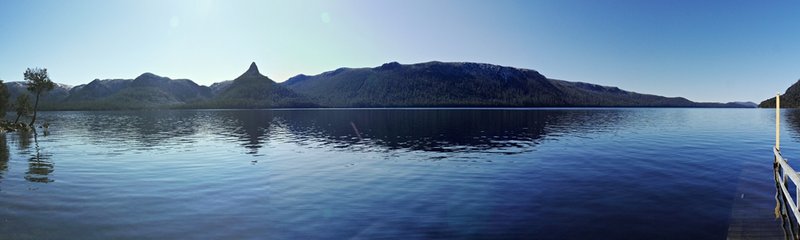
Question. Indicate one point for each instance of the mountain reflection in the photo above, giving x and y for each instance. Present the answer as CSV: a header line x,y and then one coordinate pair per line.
x,y
429,130
426,130
250,128
462,130
457,130
793,118
435,130
142,129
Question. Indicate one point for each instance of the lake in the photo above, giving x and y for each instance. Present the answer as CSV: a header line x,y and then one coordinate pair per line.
x,y
388,173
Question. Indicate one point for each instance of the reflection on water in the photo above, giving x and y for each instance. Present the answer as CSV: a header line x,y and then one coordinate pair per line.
x,y
507,131
502,131
25,140
421,130
792,117
455,173
40,165
250,128
457,131
4,154
145,130
781,208
452,131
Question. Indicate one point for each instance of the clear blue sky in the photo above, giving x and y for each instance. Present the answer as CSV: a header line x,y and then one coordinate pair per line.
x,y
702,50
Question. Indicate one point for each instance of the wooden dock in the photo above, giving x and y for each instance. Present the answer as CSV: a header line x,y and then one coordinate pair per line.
x,y
753,213
767,216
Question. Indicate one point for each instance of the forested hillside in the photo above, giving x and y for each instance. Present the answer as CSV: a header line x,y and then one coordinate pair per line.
x,y
789,99
440,84
431,84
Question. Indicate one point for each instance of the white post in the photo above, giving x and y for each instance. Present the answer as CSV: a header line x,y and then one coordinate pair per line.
x,y
778,121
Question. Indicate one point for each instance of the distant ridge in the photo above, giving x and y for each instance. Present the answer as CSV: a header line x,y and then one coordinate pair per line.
x,y
464,84
746,104
58,94
145,91
430,84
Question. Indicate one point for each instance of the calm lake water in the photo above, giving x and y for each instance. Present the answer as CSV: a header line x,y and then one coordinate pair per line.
x,y
377,173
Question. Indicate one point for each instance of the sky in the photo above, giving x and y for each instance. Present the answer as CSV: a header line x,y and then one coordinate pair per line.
x,y
717,51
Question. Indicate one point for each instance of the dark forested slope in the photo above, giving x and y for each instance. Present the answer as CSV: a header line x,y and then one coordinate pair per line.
x,y
146,91
254,90
440,84
789,99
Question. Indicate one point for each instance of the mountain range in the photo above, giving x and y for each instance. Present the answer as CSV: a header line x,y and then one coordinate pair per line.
x,y
430,84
